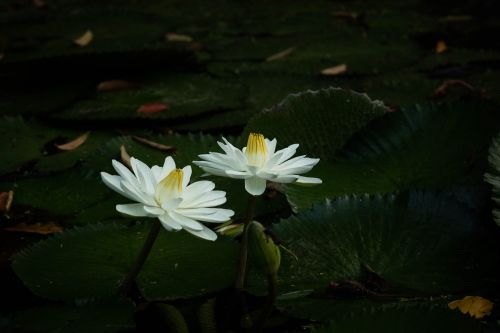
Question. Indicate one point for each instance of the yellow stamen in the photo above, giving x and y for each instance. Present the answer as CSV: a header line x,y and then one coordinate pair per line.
x,y
170,186
256,149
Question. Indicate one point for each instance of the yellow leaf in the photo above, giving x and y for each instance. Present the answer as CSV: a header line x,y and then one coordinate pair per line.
x,y
475,306
73,144
281,54
6,201
335,70
441,46
173,37
84,39
125,157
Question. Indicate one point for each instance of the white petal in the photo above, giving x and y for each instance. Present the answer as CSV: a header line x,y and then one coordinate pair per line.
x,y
308,180
207,199
136,194
255,185
156,211
288,152
126,174
156,171
171,203
271,147
238,174
205,233
197,189
214,215
132,209
187,171
168,222
185,221
144,175
286,179
168,166
113,182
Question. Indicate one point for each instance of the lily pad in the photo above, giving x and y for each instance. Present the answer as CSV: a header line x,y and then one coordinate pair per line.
x,y
420,244
92,261
421,147
320,121
493,177
106,316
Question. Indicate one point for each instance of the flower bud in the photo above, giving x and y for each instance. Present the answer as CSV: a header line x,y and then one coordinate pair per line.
x,y
262,249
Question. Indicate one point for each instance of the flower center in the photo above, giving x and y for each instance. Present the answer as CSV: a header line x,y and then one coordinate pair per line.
x,y
256,151
170,187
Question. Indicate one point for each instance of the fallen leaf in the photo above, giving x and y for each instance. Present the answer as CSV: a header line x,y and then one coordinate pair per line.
x,y
441,46
152,108
40,4
335,70
281,54
6,201
173,37
115,85
36,228
153,144
84,39
446,85
73,144
475,306
125,157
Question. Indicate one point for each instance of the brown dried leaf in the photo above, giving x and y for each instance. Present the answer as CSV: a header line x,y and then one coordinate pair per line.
x,y
153,144
281,54
73,144
335,70
446,85
40,4
6,199
173,37
151,108
37,228
84,39
115,85
441,46
125,157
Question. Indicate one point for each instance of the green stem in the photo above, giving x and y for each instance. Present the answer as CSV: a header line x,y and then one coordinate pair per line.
x,y
240,278
141,258
272,293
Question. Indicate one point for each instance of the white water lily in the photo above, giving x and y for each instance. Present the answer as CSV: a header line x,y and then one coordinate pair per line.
x,y
258,162
164,193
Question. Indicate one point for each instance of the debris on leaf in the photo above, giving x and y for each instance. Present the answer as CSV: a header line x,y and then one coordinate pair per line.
x,y
475,306
446,85
115,85
151,108
281,54
36,228
335,70
73,144
153,144
6,201
40,4
125,157
84,39
173,37
441,46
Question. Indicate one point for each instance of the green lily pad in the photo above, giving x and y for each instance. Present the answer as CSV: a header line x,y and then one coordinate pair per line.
x,y
183,96
421,243
493,177
92,261
322,121
106,316
424,147
404,318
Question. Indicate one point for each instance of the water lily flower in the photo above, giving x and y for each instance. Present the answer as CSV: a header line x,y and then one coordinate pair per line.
x,y
164,193
258,162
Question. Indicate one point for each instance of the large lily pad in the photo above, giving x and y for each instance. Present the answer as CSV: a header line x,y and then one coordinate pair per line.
x,y
320,121
429,146
420,244
92,261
